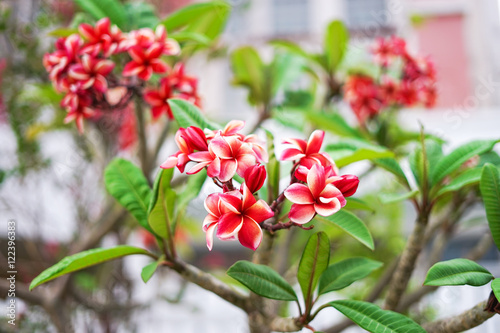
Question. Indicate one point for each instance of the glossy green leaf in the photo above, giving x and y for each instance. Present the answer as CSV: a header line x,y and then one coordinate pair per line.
x,y
189,36
336,40
490,191
262,280
313,263
62,32
248,70
188,16
290,47
459,156
389,198
334,123
374,319
141,15
358,204
187,114
285,70
343,273
127,184
469,177
161,208
105,8
83,260
193,187
361,155
351,224
391,165
148,271
457,272
495,285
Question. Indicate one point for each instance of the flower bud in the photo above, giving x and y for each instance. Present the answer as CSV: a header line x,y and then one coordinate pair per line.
x,y
255,177
348,184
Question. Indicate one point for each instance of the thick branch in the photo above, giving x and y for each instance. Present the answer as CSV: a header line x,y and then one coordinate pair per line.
x,y
407,262
210,283
285,325
462,322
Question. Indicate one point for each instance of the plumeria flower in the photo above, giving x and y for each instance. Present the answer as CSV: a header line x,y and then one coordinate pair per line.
x,y
385,50
188,140
236,215
145,62
235,156
362,95
78,113
306,151
58,62
91,72
254,177
103,37
158,99
317,197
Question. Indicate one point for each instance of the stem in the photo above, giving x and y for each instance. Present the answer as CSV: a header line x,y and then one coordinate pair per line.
x,y
462,322
210,283
159,144
406,264
141,131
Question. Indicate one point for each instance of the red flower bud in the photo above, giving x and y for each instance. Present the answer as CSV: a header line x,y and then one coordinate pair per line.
x,y
255,177
348,184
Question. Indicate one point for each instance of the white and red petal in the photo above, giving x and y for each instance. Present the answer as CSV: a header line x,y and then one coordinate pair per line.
x,y
250,234
170,162
316,180
233,127
211,204
231,202
327,209
299,194
213,169
221,148
158,66
132,68
301,214
291,154
104,67
298,143
100,83
137,54
171,47
259,211
315,142
229,225
227,169
210,236
146,73
152,97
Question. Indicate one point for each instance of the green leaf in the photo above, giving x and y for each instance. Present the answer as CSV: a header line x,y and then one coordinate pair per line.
x,y
351,224
495,285
374,319
490,191
457,272
273,169
141,15
127,184
83,260
290,47
187,114
189,15
148,271
334,123
336,40
193,187
469,177
355,203
313,263
189,36
391,165
248,71
343,273
363,154
285,70
262,280
105,8
389,198
62,32
459,156
161,208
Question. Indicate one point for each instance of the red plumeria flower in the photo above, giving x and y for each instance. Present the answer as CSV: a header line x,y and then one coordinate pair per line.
x,y
237,216
145,62
206,159
362,95
317,197
388,91
215,211
58,62
78,113
347,184
188,140
235,156
91,72
408,93
385,49
158,99
306,151
103,37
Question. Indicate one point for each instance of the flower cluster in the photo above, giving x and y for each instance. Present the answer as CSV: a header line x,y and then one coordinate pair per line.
x,y
81,67
319,189
413,84
236,214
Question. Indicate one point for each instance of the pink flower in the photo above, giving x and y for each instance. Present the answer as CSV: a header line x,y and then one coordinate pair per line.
x,y
362,95
317,197
91,72
104,37
347,184
235,156
237,216
188,140
306,151
158,99
58,62
385,49
255,176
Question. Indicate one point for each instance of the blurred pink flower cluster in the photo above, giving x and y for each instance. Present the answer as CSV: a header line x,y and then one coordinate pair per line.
x,y
414,82
84,67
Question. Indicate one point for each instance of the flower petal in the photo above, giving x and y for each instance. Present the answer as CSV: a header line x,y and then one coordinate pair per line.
x,y
327,209
315,142
291,154
227,170
229,225
259,211
299,194
316,180
210,236
301,214
250,234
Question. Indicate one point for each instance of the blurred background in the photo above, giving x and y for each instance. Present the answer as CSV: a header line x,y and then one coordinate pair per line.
x,y
51,177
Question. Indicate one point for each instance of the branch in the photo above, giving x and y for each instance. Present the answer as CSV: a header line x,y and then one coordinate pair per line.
x,y
406,264
141,131
210,283
285,325
462,322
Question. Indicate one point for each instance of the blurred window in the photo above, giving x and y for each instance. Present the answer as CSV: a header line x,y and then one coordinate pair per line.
x,y
290,16
361,13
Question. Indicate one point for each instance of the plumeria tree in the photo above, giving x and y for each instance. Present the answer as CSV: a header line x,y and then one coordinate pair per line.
x,y
269,197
